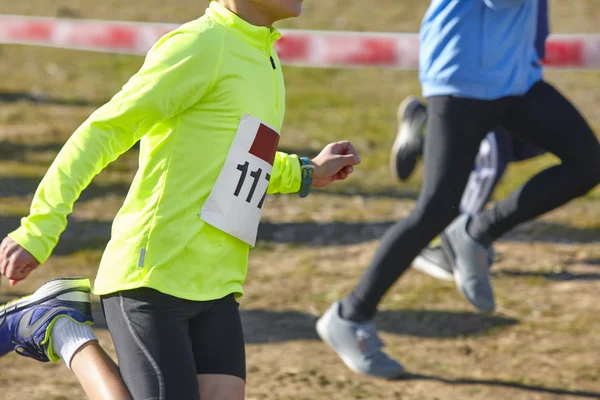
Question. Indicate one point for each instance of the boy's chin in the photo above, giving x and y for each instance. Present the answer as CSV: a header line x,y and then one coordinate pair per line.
x,y
293,13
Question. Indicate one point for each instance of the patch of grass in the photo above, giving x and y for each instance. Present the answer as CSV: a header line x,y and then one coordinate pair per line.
x,y
22,170
14,206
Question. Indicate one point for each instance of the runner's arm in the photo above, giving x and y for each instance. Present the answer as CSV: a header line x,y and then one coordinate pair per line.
x,y
177,72
286,175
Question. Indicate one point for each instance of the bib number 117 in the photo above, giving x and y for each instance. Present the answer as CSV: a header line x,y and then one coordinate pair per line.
x,y
255,175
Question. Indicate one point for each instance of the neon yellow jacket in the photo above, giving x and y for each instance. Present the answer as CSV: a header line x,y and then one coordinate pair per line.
x,y
185,105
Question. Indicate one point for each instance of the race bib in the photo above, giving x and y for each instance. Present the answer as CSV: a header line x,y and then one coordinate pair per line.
x,y
237,198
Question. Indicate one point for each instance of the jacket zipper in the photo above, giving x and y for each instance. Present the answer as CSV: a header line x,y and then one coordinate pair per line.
x,y
275,80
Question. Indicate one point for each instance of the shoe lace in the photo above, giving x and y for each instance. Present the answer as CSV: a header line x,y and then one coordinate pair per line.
x,y
32,351
371,342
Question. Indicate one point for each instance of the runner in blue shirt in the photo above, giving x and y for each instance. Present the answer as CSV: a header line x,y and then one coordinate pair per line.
x,y
479,70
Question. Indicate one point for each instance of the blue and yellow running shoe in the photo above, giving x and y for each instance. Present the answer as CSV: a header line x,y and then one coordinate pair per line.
x,y
25,323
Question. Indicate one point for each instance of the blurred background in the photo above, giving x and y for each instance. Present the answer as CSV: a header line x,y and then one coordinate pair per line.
x,y
544,341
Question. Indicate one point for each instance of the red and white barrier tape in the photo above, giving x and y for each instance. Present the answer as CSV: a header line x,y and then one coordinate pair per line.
x,y
296,47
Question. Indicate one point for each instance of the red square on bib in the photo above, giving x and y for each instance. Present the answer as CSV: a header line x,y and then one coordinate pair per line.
x,y
265,144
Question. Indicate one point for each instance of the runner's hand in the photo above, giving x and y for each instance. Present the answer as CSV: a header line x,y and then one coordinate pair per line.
x,y
335,163
16,263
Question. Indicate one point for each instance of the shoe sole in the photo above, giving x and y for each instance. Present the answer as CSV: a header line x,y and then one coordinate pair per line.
x,y
432,269
48,291
322,332
403,128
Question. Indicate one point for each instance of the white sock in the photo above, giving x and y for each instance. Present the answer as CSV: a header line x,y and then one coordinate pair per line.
x,y
68,336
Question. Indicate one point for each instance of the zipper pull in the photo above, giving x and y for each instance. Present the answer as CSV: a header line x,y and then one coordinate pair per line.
x,y
272,62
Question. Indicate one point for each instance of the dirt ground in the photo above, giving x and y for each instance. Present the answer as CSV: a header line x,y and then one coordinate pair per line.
x,y
543,342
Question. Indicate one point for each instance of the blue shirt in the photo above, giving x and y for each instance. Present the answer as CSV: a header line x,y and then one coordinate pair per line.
x,y
483,49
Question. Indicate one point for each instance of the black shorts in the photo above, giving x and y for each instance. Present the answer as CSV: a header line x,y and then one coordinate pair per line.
x,y
163,342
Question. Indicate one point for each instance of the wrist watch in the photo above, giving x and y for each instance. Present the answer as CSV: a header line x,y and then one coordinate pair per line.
x,y
307,176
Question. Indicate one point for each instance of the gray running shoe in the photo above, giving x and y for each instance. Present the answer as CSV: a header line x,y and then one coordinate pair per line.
x,y
357,344
433,261
408,146
470,262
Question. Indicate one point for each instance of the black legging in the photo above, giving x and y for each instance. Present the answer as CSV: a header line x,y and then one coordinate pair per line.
x,y
455,129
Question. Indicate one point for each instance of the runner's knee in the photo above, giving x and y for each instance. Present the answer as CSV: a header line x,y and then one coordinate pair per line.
x,y
216,387
585,171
